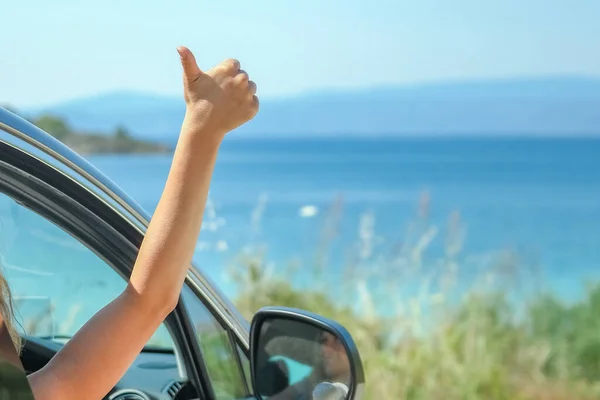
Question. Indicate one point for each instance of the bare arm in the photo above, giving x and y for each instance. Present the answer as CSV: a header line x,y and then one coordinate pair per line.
x,y
93,361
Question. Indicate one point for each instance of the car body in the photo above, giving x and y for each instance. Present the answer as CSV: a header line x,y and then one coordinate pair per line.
x,y
70,237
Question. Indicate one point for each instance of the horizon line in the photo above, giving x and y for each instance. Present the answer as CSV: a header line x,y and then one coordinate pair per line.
x,y
337,89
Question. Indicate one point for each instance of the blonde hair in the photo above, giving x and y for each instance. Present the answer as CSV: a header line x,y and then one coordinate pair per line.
x,y
7,311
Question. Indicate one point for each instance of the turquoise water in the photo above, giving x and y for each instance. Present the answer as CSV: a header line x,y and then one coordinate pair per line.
x,y
537,199
526,207
297,371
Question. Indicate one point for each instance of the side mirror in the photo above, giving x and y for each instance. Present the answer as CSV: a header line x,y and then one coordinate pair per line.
x,y
295,354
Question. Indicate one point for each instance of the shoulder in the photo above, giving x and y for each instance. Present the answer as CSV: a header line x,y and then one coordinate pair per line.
x,y
13,382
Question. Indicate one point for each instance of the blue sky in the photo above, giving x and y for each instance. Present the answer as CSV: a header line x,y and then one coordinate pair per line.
x,y
58,50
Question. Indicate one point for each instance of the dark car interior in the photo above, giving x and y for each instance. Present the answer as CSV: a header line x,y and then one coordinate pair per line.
x,y
154,374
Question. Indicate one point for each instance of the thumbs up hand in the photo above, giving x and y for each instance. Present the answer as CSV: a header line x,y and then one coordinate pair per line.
x,y
219,100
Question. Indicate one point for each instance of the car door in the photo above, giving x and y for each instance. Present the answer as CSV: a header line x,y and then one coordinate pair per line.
x,y
68,241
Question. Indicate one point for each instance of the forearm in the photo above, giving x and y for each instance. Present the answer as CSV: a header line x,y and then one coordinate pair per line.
x,y
93,360
153,289
168,248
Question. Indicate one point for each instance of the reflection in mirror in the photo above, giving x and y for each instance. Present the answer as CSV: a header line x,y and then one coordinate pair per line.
x,y
296,360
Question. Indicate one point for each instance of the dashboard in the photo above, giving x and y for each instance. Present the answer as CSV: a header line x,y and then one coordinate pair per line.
x,y
154,375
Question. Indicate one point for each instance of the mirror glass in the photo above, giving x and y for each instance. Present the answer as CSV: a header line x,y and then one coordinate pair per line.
x,y
297,360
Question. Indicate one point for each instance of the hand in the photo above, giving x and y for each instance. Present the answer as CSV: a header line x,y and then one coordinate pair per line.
x,y
217,101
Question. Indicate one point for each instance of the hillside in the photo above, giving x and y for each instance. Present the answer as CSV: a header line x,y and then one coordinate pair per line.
x,y
550,106
85,141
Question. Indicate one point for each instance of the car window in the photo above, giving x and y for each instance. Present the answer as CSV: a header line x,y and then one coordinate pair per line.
x,y
245,361
57,282
219,356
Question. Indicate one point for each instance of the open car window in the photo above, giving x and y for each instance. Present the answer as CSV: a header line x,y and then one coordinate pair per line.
x,y
57,282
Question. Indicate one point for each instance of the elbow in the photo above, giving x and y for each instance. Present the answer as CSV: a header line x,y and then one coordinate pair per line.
x,y
153,303
166,306
171,304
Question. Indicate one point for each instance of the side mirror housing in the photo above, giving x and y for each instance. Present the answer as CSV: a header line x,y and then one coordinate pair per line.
x,y
298,354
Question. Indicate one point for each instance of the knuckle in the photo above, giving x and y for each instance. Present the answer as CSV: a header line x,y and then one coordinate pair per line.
x,y
252,86
223,69
243,76
255,104
242,79
231,64
228,84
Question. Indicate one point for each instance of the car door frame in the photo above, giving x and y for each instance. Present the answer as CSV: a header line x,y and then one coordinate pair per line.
x,y
52,180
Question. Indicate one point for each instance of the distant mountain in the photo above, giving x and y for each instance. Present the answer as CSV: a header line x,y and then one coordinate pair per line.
x,y
146,115
550,106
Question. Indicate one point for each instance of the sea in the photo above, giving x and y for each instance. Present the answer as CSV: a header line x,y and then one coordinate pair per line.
x,y
374,211
374,223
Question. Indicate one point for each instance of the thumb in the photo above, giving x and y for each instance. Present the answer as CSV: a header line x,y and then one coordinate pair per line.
x,y
191,71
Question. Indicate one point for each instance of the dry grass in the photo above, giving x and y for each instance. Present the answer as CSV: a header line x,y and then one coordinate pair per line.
x,y
448,341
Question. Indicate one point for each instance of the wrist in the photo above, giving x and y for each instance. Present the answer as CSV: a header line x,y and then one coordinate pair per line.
x,y
200,122
200,138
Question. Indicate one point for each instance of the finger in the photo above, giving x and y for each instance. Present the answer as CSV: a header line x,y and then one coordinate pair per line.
x,y
252,87
242,77
255,104
191,71
232,66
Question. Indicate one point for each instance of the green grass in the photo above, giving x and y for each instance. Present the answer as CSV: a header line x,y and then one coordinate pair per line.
x,y
476,350
493,341
226,381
